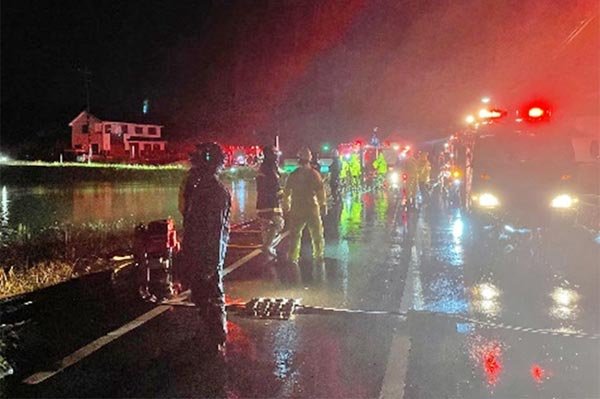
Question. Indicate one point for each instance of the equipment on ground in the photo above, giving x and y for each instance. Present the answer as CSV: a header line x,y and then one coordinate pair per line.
x,y
155,246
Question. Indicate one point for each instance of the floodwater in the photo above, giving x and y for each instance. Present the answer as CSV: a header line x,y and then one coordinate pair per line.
x,y
36,207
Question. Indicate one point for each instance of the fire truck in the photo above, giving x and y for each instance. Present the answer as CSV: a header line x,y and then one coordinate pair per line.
x,y
518,167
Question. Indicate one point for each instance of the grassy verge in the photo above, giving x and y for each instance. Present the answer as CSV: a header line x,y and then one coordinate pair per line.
x,y
70,172
33,260
15,282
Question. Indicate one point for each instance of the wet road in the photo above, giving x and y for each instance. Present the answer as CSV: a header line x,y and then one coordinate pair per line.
x,y
491,313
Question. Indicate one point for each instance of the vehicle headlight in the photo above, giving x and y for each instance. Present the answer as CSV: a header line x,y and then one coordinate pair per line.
x,y
563,201
394,178
487,200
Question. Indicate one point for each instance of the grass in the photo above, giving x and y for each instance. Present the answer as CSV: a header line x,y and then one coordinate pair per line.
x,y
96,165
15,282
26,172
33,260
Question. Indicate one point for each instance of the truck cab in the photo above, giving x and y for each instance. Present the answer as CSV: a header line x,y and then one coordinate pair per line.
x,y
523,176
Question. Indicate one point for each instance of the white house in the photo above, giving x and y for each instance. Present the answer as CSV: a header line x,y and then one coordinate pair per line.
x,y
115,139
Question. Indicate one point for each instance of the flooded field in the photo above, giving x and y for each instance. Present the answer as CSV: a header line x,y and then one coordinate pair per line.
x,y
35,208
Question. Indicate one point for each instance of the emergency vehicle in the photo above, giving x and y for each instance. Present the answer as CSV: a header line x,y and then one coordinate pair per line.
x,y
519,167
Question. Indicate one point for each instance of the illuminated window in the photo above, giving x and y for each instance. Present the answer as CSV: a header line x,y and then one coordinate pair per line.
x,y
152,131
139,130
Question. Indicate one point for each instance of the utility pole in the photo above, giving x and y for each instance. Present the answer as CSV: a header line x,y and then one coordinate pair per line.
x,y
86,73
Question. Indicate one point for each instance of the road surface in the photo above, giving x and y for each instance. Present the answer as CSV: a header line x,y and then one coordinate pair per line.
x,y
493,313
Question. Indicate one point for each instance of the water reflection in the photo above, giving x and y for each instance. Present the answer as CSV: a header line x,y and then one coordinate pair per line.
x,y
38,207
284,348
243,199
565,303
487,354
446,292
485,299
351,216
4,214
457,229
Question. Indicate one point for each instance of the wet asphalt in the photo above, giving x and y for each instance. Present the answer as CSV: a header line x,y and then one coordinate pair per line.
x,y
489,313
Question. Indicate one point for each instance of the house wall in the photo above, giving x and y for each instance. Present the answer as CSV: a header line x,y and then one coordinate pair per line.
x,y
80,140
98,135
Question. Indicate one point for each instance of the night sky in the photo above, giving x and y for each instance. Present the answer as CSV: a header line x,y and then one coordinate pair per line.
x,y
243,71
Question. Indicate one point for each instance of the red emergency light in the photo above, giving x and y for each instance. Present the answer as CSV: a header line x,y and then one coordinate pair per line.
x,y
537,111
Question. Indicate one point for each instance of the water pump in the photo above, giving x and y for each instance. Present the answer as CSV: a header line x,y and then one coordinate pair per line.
x,y
155,247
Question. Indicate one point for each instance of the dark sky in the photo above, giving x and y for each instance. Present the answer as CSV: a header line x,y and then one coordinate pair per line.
x,y
312,71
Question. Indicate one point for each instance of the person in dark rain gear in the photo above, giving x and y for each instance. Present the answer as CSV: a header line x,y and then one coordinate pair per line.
x,y
305,199
334,176
268,200
206,208
315,162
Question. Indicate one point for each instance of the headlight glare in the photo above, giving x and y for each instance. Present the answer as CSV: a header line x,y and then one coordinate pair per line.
x,y
563,201
487,200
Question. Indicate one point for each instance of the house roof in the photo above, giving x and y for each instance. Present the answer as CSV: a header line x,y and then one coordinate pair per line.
x,y
81,115
147,121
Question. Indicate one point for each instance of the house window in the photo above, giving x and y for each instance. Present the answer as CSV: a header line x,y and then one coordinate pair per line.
x,y
139,130
152,131
156,147
107,128
85,128
124,129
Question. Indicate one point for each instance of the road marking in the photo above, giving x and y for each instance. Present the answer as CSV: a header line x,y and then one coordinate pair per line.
x,y
250,256
94,346
394,379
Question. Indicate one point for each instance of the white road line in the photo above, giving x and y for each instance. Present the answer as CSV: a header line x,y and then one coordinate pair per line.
x,y
394,379
93,346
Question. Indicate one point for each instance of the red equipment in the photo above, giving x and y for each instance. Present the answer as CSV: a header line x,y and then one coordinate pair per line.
x,y
155,246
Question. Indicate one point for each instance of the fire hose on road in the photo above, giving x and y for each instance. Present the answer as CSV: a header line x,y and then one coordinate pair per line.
x,y
287,308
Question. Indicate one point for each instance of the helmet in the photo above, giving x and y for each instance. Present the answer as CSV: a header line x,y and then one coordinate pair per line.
x,y
208,155
270,152
304,154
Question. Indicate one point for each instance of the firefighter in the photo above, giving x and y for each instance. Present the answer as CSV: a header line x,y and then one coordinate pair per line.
x,y
268,200
424,172
355,169
412,171
381,168
206,210
334,176
305,199
315,161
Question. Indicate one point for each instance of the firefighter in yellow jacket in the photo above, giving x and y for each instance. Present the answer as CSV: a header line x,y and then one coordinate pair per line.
x,y
304,199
